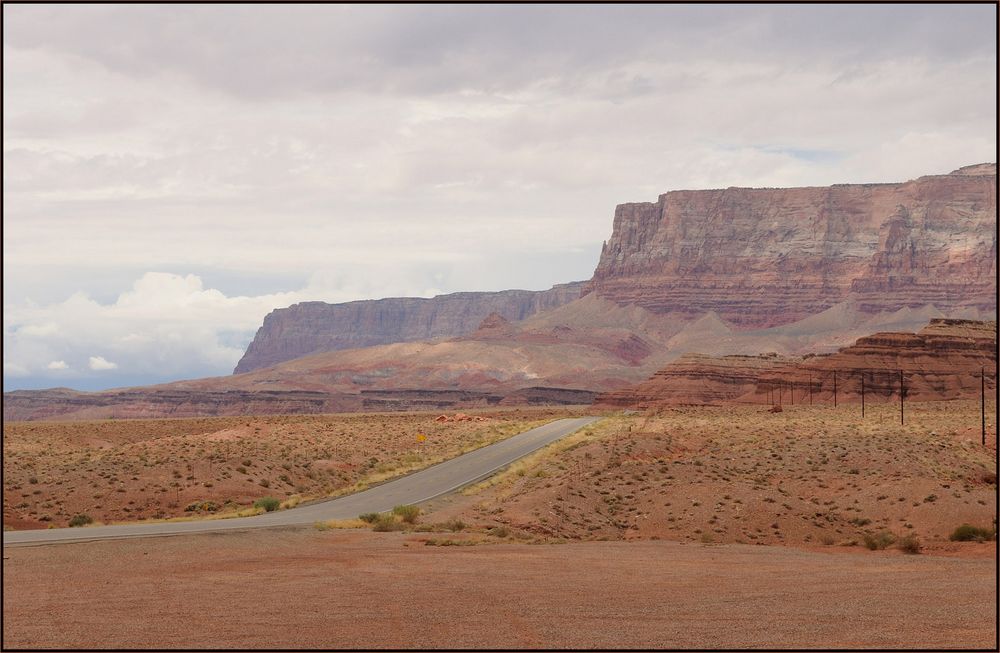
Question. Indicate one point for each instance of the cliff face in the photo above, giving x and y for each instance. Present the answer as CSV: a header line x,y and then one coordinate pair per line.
x,y
696,379
312,327
943,361
764,257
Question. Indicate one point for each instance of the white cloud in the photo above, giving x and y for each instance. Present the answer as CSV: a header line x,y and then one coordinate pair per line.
x,y
99,364
165,325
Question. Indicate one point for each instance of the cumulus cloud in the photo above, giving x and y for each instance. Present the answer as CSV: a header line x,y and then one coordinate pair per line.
x,y
269,154
164,325
100,364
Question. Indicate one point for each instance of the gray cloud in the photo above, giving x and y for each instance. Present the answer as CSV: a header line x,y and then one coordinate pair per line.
x,y
269,50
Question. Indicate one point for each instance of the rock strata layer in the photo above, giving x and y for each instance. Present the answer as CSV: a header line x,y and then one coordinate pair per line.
x,y
696,379
944,360
763,257
947,359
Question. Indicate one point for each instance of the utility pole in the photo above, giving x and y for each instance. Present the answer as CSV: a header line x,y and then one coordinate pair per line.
x,y
791,389
835,388
982,400
862,395
901,391
810,390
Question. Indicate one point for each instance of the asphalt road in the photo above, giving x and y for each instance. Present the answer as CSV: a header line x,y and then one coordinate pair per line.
x,y
411,489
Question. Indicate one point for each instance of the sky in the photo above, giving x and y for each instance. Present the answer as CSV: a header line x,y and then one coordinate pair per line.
x,y
172,173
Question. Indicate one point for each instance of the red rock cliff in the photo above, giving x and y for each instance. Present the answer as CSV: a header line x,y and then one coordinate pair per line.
x,y
765,257
312,327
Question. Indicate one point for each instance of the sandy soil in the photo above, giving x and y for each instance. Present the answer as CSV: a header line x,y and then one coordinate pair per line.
x,y
129,470
357,589
807,476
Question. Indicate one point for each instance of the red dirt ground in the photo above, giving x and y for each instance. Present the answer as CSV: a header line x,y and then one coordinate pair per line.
x,y
357,589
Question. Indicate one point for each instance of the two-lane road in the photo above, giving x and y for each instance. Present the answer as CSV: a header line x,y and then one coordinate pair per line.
x,y
413,488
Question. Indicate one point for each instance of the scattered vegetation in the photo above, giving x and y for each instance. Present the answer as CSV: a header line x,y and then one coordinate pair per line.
x,y
156,468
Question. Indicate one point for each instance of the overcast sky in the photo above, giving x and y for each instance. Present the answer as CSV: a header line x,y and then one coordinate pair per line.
x,y
172,173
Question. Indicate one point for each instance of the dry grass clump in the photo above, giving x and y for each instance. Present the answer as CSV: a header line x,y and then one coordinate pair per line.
x,y
332,524
80,520
878,541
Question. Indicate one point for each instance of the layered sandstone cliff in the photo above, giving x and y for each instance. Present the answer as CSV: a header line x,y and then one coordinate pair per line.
x,y
947,359
696,379
312,327
764,257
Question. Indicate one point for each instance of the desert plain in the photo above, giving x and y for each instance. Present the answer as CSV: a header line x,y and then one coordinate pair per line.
x,y
683,526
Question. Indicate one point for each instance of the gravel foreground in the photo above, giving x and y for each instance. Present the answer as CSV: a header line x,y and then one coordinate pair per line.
x,y
356,589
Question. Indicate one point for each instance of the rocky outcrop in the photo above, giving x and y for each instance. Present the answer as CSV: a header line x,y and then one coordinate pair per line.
x,y
312,327
764,257
945,360
696,379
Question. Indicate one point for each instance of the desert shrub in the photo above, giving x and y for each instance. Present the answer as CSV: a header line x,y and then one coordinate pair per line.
x,y
33,480
970,533
80,520
369,517
909,544
407,513
386,522
454,525
879,541
265,483
859,521
269,504
500,531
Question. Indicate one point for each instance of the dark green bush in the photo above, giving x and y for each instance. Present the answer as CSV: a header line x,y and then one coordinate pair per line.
x,y
269,504
369,517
